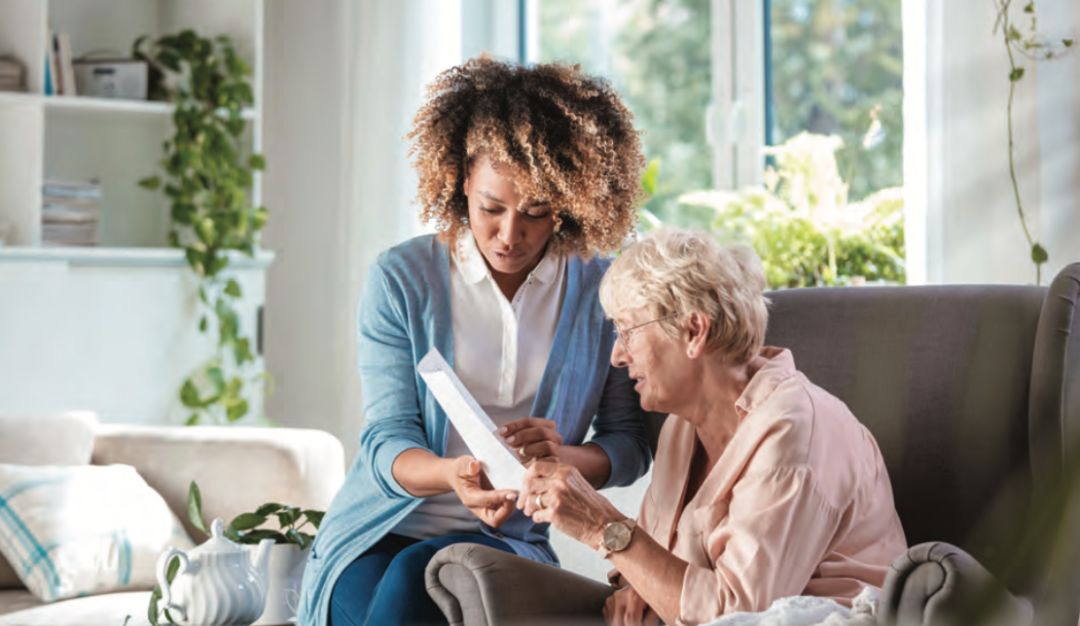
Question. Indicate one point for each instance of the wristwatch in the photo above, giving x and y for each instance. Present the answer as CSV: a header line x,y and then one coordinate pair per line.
x,y
616,536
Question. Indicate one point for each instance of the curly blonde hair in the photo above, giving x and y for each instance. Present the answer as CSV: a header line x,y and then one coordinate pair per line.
x,y
673,272
567,137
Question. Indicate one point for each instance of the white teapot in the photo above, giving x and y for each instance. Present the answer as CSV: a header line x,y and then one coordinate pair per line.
x,y
217,583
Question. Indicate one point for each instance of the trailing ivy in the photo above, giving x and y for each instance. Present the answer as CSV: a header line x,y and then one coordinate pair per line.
x,y
207,177
1033,47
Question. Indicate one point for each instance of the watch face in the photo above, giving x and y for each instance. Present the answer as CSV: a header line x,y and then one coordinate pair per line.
x,y
617,536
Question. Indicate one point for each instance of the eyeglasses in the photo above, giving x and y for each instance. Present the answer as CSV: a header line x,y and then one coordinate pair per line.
x,y
624,335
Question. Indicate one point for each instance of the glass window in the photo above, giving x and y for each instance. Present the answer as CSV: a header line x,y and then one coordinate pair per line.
x,y
834,67
657,55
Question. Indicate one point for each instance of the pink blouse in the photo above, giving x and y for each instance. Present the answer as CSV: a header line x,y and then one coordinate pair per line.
x,y
799,503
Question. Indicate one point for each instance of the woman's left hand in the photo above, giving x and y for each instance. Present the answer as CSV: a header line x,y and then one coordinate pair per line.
x,y
532,438
557,493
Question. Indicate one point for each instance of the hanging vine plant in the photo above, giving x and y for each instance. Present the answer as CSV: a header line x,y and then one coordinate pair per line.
x,y
206,177
1034,47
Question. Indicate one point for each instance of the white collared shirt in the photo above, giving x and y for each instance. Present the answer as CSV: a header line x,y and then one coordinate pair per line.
x,y
501,348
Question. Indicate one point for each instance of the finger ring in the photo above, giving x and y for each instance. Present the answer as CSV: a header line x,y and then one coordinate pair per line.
x,y
539,502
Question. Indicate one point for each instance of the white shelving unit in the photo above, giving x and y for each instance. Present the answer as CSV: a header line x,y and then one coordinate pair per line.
x,y
114,141
111,328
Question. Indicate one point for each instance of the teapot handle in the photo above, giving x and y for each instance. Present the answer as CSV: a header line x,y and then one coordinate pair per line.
x,y
163,583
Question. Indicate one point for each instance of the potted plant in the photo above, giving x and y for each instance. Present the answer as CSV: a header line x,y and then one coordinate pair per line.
x,y
207,174
292,543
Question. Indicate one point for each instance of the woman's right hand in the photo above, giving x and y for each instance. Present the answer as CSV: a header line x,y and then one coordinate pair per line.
x,y
626,608
492,506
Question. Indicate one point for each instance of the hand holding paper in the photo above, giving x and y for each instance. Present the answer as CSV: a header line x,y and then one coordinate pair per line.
x,y
475,427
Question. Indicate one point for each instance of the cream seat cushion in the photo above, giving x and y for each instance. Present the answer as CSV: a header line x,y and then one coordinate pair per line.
x,y
21,608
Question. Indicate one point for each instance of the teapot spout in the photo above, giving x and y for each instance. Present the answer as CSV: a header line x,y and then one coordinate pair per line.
x,y
262,558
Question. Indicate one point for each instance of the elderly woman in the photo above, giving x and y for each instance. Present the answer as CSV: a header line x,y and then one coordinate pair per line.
x,y
764,485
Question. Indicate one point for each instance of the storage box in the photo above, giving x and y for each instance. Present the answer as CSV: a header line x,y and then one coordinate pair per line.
x,y
111,78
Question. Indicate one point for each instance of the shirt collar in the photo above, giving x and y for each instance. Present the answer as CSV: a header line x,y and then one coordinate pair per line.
x,y
474,269
780,366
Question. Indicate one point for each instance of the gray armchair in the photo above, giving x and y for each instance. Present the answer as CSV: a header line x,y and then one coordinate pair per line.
x,y
973,394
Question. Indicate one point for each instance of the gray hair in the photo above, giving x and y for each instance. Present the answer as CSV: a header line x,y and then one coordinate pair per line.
x,y
675,272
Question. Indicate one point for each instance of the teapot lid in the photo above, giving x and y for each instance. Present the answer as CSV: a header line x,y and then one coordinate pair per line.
x,y
218,543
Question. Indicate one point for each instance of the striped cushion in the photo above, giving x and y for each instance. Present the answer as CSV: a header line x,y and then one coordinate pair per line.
x,y
77,530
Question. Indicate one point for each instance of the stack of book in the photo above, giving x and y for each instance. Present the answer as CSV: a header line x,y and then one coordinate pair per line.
x,y
69,213
11,74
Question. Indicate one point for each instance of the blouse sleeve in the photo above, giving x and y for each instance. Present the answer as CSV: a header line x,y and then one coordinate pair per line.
x,y
776,531
387,380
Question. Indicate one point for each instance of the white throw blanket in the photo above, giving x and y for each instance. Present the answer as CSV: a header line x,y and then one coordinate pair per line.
x,y
810,611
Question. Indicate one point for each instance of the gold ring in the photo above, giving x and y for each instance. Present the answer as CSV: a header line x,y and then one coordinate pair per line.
x,y
539,502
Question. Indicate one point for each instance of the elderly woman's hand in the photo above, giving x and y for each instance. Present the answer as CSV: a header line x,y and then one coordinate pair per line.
x,y
532,438
557,493
626,608
493,507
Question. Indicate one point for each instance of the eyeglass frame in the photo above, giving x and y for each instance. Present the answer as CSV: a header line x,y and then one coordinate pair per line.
x,y
624,336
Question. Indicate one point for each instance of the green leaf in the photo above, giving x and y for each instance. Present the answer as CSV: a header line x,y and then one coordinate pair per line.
x,y
259,534
192,420
152,608
1016,74
150,182
268,508
315,517
1039,254
1068,43
257,162
242,351
170,572
288,516
1029,7
234,535
233,288
1013,34
247,521
195,507
202,324
189,395
237,410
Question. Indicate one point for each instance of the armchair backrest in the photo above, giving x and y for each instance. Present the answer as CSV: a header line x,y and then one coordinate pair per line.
x,y
972,392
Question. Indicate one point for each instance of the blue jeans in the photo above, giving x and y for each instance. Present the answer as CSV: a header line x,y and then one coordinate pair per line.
x,y
385,585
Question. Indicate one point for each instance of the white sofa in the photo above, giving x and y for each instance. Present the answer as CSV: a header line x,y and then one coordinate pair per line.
x,y
237,469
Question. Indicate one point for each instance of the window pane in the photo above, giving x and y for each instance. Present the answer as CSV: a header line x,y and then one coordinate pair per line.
x,y
656,53
836,67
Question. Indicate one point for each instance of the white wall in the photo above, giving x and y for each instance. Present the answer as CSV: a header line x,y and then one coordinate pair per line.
x,y
972,232
343,79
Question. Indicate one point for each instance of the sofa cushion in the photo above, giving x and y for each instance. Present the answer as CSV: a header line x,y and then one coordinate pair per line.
x,y
63,439
21,608
76,530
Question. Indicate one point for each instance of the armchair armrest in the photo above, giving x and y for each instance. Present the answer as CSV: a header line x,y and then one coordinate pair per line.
x,y
938,583
237,468
476,585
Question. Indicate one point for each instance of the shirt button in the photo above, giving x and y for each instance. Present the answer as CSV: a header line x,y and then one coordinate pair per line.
x,y
499,535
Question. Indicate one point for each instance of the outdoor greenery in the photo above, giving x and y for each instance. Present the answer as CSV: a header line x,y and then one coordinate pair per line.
x,y
1033,47
801,223
207,178
836,72
837,68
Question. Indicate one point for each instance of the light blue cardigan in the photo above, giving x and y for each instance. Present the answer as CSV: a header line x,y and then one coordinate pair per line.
x,y
404,312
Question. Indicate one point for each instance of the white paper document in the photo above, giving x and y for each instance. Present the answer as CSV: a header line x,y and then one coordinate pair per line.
x,y
501,466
